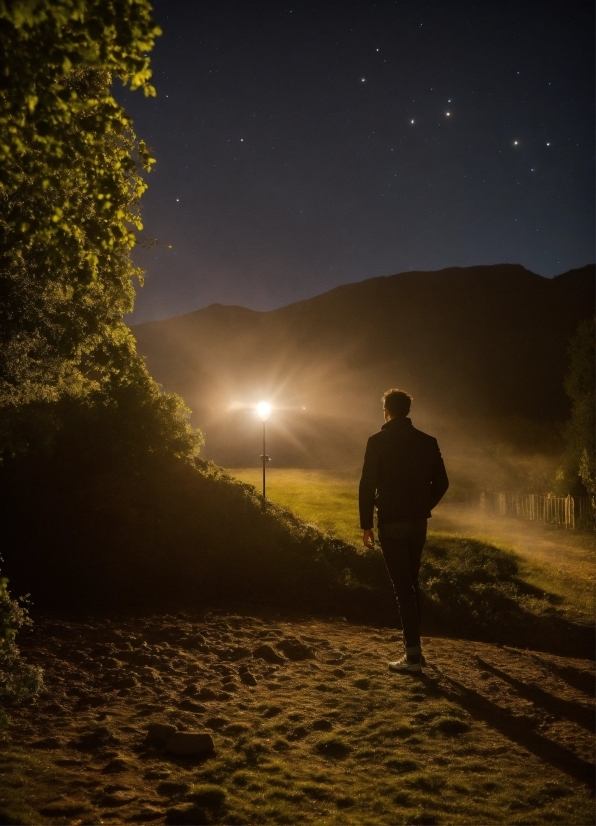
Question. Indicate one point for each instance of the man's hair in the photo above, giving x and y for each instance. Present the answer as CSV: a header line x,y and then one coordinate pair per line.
x,y
397,402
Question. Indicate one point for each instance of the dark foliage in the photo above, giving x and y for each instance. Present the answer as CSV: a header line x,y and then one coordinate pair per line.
x,y
93,530
18,680
576,474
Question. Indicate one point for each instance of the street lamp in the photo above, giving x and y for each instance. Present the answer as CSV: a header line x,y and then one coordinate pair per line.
x,y
264,411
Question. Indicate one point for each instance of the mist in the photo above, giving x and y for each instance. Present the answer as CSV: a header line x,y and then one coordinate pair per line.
x,y
482,350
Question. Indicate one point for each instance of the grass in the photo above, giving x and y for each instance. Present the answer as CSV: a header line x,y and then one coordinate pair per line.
x,y
330,501
370,748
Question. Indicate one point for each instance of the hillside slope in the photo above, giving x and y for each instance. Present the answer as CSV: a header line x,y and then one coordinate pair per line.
x,y
479,344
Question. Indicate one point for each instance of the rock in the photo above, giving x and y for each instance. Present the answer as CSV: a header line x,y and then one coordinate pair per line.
x,y
247,678
295,649
216,722
239,653
116,766
190,689
206,694
149,675
189,705
99,738
160,733
190,744
265,652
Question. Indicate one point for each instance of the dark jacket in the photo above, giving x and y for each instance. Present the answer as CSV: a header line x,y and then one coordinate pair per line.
x,y
403,474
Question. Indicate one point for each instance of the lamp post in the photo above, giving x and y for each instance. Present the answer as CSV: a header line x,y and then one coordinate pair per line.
x,y
264,411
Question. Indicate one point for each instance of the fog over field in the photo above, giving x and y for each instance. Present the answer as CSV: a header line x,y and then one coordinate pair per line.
x,y
483,351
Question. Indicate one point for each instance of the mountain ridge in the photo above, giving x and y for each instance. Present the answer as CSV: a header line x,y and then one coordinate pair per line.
x,y
469,343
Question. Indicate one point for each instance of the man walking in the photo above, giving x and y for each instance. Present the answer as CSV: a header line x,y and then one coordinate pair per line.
x,y
404,475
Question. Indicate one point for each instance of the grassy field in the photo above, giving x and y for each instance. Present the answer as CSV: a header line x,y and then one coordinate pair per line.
x,y
320,733
328,500
558,561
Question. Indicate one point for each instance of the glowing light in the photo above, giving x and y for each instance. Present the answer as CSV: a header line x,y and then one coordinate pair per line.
x,y
448,114
411,121
263,410
515,143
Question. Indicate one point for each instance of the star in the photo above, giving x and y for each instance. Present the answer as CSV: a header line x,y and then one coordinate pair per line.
x,y
515,143
448,114
411,121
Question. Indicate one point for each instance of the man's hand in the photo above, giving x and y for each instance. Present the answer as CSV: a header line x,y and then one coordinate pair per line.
x,y
368,539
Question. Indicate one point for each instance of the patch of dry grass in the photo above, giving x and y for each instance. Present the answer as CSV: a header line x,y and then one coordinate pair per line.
x,y
485,735
557,561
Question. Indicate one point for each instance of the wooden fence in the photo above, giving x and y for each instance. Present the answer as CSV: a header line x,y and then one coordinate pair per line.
x,y
570,512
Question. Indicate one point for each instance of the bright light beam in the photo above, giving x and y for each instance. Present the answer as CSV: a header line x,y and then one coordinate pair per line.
x,y
263,410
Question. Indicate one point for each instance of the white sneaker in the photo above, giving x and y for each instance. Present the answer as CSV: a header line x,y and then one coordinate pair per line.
x,y
404,665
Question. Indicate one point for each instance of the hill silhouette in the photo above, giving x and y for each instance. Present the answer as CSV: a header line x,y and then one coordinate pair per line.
x,y
483,350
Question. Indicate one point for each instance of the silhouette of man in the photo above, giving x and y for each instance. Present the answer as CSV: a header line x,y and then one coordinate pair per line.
x,y
404,475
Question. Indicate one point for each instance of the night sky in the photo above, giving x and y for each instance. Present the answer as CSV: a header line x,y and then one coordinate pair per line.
x,y
305,145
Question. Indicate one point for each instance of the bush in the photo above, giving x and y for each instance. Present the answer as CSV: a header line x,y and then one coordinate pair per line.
x,y
90,527
18,680
110,529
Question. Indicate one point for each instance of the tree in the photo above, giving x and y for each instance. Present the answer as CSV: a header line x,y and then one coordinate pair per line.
x,y
577,470
70,184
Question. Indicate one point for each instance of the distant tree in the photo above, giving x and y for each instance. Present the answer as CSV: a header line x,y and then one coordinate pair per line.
x,y
577,473
71,177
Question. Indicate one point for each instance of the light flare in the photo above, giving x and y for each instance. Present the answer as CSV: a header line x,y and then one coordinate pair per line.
x,y
263,410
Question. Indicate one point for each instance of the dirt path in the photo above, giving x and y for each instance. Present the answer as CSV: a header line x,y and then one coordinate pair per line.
x,y
307,725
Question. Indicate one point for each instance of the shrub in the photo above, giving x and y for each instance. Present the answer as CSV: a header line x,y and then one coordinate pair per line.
x,y
17,679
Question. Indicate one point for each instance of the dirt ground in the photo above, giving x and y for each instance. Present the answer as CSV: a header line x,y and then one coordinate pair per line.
x,y
308,725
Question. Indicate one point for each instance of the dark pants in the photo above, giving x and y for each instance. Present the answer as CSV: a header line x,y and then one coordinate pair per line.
x,y
402,544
